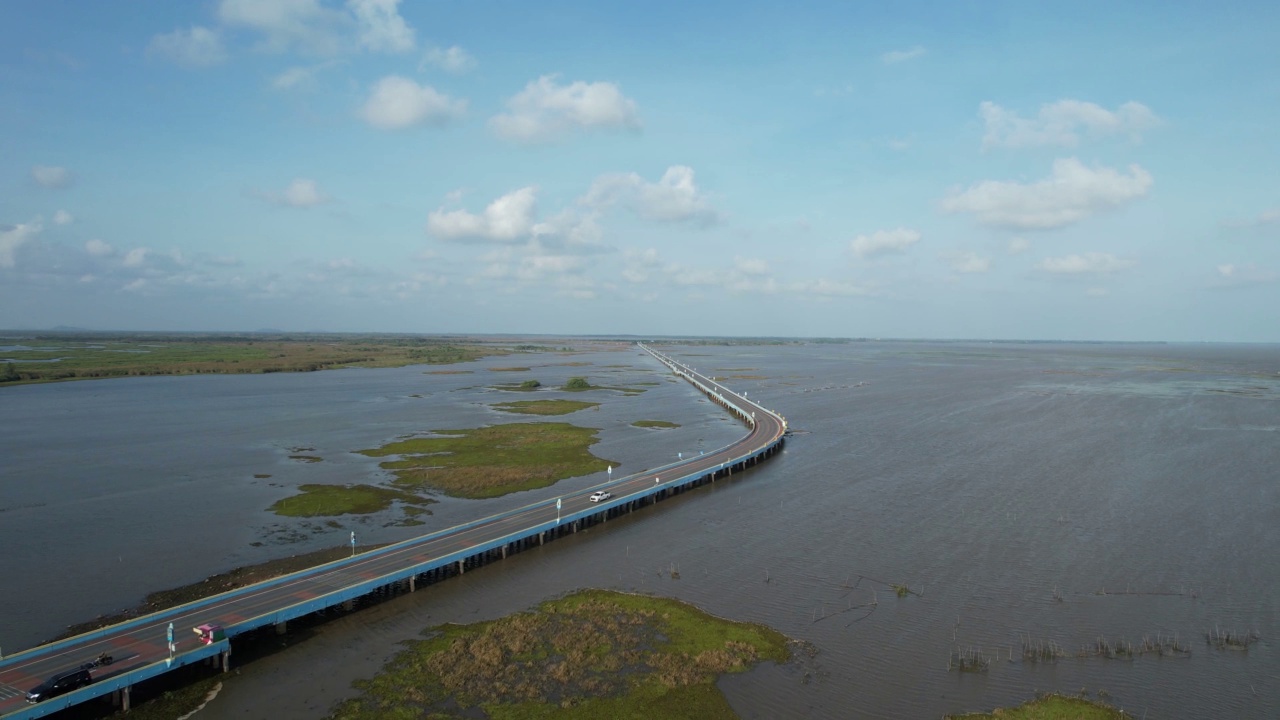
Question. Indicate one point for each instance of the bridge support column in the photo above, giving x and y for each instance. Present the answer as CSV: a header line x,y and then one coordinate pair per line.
x,y
542,538
282,627
413,583
461,568
226,659
124,698
348,605
504,551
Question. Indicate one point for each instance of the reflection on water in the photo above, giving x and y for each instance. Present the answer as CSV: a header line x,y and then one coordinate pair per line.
x,y
1009,507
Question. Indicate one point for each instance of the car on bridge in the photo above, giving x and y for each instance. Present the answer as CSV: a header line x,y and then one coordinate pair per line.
x,y
60,684
599,495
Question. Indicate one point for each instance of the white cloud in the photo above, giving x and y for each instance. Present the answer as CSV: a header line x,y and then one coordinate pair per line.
x,y
1062,122
752,267
571,230
136,257
398,102
967,262
13,237
545,111
223,261
1266,217
195,47
508,219
62,217
638,264
1019,245
897,56
674,198
537,264
453,59
1233,275
304,193
823,287
288,24
52,176
746,275
1073,192
884,242
1092,262
299,76
381,28
98,248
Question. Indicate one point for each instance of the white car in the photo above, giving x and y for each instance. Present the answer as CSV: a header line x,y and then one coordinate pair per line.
x,y
599,495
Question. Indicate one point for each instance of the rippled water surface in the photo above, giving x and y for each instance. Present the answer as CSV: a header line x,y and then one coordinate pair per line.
x,y
1055,492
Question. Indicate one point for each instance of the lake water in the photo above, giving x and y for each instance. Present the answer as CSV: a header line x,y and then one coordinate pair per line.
x,y
1057,492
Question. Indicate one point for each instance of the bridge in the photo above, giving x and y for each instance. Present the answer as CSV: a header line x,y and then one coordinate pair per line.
x,y
142,648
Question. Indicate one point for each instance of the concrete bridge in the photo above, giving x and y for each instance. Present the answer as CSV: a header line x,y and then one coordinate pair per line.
x,y
142,649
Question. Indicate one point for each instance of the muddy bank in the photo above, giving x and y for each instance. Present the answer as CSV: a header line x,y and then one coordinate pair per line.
x,y
213,585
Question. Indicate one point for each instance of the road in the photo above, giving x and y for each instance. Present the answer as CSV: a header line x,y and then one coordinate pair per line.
x,y
140,647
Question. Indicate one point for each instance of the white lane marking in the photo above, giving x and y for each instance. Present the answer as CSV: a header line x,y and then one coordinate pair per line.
x,y
9,691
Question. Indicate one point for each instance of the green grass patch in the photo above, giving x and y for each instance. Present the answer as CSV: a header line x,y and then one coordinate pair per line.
x,y
492,461
82,356
305,458
1051,707
544,407
593,654
509,369
526,386
334,500
580,384
654,424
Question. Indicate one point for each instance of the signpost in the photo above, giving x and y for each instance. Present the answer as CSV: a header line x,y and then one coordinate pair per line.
x,y
353,543
557,511
169,636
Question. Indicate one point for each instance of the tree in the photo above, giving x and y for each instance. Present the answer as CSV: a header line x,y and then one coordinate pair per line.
x,y
577,383
10,373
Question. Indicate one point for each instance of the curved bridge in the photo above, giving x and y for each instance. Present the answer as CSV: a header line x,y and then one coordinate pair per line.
x,y
141,647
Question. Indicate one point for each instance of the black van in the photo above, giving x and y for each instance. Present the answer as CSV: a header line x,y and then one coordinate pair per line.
x,y
59,684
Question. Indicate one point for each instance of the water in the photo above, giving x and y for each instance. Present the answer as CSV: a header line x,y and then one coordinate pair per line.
x,y
1135,483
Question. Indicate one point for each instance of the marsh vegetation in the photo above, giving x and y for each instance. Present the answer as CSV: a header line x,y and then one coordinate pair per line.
x,y
492,461
103,355
544,407
1051,707
592,654
334,500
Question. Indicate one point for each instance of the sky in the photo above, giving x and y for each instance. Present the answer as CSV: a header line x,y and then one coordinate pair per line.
x,y
959,169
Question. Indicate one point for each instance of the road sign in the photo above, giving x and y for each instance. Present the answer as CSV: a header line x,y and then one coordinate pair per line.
x,y
557,503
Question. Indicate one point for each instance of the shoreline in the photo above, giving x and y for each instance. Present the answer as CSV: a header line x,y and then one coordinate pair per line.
x,y
234,579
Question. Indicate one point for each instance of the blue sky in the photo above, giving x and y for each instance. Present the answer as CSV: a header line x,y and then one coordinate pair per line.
x,y
948,170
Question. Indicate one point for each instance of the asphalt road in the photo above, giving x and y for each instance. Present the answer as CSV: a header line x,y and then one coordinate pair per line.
x,y
145,643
